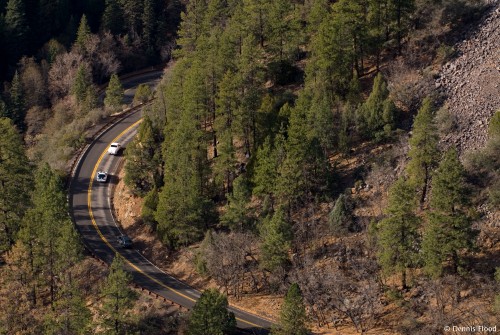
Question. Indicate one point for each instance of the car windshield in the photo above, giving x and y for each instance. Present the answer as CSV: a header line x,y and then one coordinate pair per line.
x,y
114,145
101,175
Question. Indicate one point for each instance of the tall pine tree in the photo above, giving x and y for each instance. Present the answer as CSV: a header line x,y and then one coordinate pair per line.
x,y
210,315
448,232
114,93
118,298
293,316
15,182
423,151
398,236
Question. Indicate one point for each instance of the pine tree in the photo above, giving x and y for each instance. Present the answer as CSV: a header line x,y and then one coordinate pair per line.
x,y
304,170
236,215
448,232
3,109
398,236
114,93
17,103
142,93
70,314
81,84
148,25
149,207
142,160
184,207
15,182
293,316
118,298
423,151
265,172
377,111
284,31
340,217
112,18
400,12
276,236
132,10
210,315
49,228
16,29
82,34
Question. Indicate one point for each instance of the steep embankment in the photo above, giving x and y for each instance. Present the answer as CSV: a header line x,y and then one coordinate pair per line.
x,y
471,83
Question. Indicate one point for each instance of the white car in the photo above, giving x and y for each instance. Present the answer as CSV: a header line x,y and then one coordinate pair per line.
x,y
114,148
102,176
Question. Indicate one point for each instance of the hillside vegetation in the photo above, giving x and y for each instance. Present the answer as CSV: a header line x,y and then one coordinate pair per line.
x,y
280,138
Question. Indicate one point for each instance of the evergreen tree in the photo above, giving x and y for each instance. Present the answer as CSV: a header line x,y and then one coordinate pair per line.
x,y
293,316
91,99
184,206
118,298
398,237
284,31
112,18
276,235
148,25
16,29
70,314
210,315
142,93
82,34
17,104
423,151
400,12
448,232
15,182
149,207
49,229
304,170
3,109
265,172
377,111
340,217
142,160
132,10
81,83
257,19
236,215
114,93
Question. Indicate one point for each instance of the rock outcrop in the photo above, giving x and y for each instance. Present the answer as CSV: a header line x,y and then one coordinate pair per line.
x,y
471,83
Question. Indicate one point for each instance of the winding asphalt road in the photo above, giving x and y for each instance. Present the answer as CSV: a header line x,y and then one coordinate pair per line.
x,y
91,210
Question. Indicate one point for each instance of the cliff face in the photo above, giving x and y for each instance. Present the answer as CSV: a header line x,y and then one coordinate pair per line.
x,y
471,83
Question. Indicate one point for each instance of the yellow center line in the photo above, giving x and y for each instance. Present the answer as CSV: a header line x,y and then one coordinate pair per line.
x,y
94,223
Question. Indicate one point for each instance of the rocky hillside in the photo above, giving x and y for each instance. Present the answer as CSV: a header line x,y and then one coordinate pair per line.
x,y
471,83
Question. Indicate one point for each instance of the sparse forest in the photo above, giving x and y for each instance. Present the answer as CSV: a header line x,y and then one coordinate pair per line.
x,y
298,145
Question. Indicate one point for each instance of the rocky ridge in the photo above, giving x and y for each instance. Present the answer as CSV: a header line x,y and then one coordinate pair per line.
x,y
471,83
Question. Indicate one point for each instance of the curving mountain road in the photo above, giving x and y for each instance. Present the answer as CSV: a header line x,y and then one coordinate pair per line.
x,y
91,211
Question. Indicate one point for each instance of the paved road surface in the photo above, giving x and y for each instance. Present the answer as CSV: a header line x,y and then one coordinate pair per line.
x,y
90,207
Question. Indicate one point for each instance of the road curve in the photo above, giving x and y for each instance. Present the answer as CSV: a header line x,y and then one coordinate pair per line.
x,y
91,211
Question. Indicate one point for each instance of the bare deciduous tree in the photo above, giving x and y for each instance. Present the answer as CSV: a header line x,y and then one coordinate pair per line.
x,y
229,260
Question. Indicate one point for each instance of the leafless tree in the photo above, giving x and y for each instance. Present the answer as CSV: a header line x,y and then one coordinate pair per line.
x,y
34,83
62,74
229,259
100,52
335,295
